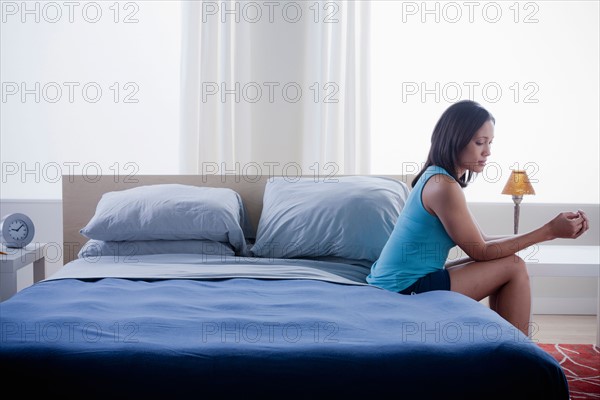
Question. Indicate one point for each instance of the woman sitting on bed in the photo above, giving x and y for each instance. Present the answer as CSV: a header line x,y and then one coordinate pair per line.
x,y
435,218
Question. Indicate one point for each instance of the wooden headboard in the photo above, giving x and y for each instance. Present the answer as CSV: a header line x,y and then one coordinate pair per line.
x,y
80,195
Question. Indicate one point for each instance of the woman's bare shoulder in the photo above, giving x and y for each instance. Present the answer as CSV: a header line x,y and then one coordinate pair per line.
x,y
442,183
442,191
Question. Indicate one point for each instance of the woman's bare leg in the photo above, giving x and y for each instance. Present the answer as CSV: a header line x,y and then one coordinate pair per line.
x,y
504,280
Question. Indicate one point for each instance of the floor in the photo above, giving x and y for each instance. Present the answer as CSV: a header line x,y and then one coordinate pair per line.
x,y
564,329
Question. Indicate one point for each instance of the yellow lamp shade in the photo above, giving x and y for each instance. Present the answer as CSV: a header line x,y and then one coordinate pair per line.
x,y
518,184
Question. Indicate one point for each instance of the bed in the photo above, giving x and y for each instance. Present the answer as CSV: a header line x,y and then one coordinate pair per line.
x,y
253,286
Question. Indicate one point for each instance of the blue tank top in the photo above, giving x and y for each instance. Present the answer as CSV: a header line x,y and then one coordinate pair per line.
x,y
418,244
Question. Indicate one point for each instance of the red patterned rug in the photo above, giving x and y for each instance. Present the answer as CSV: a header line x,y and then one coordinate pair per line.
x,y
581,363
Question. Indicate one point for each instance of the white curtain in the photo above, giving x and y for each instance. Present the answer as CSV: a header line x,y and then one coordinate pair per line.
x,y
213,53
242,67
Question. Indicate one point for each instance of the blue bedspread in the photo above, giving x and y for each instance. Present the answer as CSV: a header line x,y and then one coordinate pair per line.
x,y
280,337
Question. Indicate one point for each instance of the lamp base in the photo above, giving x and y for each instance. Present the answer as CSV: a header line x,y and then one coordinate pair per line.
x,y
517,200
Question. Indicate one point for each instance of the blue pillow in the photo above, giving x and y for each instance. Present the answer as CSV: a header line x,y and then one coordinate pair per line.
x,y
170,212
351,218
97,248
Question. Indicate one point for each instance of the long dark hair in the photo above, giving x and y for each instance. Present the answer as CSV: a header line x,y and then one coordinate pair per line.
x,y
452,133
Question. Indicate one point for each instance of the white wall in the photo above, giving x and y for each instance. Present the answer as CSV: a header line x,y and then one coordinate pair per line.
x,y
54,57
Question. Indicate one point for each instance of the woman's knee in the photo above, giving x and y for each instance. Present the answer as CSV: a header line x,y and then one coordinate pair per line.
x,y
517,266
518,261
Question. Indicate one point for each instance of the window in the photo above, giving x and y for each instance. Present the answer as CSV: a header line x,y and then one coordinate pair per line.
x,y
533,65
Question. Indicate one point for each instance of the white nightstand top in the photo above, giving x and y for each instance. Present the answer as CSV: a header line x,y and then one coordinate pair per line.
x,y
18,258
548,260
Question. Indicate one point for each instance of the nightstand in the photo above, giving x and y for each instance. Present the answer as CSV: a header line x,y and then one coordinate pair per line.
x,y
559,261
16,259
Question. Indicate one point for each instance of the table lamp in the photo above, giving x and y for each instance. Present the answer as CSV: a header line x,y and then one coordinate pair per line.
x,y
518,185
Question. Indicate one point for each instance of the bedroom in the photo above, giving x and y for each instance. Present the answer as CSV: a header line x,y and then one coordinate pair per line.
x,y
294,88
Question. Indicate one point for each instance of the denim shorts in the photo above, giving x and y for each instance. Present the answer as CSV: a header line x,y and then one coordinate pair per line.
x,y
438,280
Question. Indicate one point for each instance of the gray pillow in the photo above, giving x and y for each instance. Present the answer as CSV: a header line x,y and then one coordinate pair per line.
x,y
170,212
350,218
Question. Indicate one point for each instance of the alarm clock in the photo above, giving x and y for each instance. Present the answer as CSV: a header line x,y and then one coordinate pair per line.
x,y
17,230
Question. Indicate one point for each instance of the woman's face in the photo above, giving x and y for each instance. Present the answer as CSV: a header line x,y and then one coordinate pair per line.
x,y
474,156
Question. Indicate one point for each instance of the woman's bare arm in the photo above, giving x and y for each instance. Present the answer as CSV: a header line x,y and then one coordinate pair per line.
x,y
445,199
